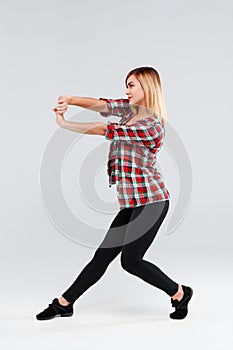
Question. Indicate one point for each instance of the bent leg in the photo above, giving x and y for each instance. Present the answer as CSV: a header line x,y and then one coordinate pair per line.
x,y
144,225
107,251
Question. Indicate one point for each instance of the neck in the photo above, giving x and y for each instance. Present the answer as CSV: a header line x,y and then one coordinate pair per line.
x,y
142,112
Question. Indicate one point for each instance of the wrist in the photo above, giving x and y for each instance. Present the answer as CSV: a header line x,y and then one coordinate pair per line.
x,y
68,99
64,124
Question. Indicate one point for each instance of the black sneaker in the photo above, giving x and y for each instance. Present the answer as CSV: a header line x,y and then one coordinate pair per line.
x,y
182,305
55,309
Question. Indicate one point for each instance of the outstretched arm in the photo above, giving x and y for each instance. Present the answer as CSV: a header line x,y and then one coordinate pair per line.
x,y
84,102
90,128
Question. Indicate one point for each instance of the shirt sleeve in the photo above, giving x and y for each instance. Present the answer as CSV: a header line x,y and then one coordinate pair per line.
x,y
118,107
149,136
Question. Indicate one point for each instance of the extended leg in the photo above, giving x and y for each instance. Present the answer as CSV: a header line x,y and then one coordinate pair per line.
x,y
108,250
144,225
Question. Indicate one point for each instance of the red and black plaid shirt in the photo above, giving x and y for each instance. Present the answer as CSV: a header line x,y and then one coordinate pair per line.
x,y
132,156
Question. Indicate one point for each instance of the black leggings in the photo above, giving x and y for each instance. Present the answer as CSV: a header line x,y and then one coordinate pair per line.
x,y
131,234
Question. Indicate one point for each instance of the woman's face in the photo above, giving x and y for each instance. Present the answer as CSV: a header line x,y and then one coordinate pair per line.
x,y
134,91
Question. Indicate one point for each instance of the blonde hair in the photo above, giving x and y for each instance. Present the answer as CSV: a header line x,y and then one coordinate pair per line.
x,y
150,82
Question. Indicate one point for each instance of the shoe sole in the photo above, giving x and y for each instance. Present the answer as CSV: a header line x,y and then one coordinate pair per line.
x,y
58,315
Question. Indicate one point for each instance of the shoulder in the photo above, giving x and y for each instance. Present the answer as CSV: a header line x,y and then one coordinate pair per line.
x,y
149,121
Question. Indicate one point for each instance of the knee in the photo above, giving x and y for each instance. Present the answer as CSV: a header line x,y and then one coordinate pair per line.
x,y
127,263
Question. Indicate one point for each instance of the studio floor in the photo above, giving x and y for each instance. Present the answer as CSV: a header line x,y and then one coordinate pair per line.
x,y
132,318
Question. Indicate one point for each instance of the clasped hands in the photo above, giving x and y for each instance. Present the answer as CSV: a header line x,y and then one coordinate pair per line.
x,y
60,109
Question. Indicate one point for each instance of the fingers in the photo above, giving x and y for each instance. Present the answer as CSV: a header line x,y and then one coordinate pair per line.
x,y
61,99
62,105
61,109
57,111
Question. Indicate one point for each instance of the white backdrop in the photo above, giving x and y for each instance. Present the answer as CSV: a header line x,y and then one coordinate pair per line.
x,y
52,48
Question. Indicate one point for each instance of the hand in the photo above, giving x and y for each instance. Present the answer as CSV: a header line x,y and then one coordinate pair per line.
x,y
60,119
62,104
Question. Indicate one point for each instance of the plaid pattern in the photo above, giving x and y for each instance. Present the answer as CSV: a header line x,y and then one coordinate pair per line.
x,y
132,156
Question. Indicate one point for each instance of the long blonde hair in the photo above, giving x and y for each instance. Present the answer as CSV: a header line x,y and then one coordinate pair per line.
x,y
150,82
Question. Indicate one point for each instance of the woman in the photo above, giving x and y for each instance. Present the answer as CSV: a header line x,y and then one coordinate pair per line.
x,y
142,194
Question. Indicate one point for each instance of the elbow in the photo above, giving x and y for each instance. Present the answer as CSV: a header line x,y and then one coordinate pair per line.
x,y
104,129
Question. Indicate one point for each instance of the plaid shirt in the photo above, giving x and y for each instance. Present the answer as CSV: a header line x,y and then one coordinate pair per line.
x,y
132,156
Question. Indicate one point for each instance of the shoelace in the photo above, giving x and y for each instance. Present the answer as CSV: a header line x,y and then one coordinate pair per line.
x,y
56,307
